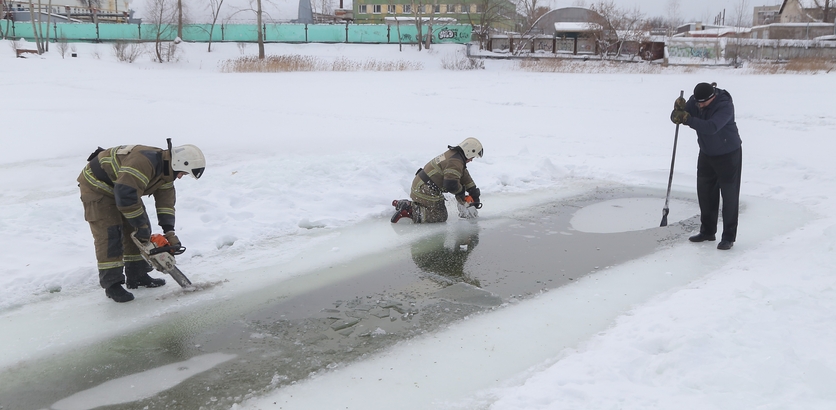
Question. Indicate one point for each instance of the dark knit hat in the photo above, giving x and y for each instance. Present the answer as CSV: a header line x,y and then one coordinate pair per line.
x,y
704,91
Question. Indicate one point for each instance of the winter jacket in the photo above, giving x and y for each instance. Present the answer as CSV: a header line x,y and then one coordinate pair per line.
x,y
716,130
448,172
128,172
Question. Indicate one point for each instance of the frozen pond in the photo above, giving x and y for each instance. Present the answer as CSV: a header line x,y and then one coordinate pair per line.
x,y
319,321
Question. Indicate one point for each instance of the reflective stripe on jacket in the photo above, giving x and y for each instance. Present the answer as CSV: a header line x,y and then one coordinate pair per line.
x,y
134,171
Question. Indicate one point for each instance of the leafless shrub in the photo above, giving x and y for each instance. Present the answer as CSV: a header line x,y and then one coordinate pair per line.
x,y
63,45
289,63
242,47
554,65
810,65
766,68
166,52
127,52
797,65
344,64
14,46
461,62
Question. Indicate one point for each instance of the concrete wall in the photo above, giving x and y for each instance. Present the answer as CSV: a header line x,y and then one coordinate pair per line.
x,y
797,31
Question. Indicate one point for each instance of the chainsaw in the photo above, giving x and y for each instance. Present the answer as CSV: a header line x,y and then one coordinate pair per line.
x,y
467,209
160,254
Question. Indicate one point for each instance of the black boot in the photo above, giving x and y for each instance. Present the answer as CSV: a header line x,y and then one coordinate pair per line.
x,y
700,237
136,274
118,293
403,208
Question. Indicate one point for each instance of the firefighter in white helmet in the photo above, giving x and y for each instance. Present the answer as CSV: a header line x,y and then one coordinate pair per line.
x,y
112,185
444,173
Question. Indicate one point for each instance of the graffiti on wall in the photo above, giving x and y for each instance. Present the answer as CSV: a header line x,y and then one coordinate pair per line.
x,y
703,52
445,33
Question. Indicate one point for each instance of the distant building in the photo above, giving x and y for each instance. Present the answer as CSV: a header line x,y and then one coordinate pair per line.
x,y
792,31
794,11
766,15
74,11
464,11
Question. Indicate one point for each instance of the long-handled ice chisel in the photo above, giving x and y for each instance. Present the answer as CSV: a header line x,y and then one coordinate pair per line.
x,y
665,210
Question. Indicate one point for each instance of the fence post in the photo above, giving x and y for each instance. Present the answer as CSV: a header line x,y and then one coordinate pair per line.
x,y
346,32
306,32
139,30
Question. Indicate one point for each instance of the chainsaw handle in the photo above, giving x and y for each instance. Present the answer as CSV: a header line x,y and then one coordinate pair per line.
x,y
174,250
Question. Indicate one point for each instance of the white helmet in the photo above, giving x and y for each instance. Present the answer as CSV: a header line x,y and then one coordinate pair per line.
x,y
189,159
471,147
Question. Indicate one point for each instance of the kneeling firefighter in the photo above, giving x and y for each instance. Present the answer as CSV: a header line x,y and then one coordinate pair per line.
x,y
112,185
444,173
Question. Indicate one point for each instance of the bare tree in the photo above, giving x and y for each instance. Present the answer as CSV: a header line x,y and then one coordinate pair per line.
x,y
429,39
48,21
324,7
215,8
673,13
826,7
4,14
417,12
180,18
531,10
742,18
489,14
63,45
40,29
617,26
34,28
259,12
93,6
162,15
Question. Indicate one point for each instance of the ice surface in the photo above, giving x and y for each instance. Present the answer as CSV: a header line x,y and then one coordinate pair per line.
x,y
141,385
292,164
630,214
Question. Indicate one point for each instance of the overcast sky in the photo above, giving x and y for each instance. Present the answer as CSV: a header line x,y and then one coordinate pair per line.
x,y
689,10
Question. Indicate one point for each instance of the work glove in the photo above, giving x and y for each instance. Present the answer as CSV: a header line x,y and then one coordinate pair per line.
x,y
475,193
679,116
679,104
173,240
143,233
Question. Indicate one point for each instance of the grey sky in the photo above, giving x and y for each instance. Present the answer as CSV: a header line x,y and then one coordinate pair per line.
x,y
689,10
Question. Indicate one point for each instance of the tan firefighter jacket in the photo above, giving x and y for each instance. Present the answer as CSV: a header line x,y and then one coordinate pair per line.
x,y
128,172
448,172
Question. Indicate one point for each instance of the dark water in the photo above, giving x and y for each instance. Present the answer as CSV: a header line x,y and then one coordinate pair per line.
x,y
463,270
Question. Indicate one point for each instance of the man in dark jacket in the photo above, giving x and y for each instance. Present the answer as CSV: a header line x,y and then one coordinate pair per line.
x,y
710,112
444,173
112,185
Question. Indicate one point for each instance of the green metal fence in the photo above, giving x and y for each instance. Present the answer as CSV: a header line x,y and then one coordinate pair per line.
x,y
275,33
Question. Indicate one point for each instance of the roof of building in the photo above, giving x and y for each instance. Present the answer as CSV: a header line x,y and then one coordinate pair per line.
x,y
575,27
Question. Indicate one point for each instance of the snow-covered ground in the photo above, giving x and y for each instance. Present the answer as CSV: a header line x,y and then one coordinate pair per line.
x,y
295,160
